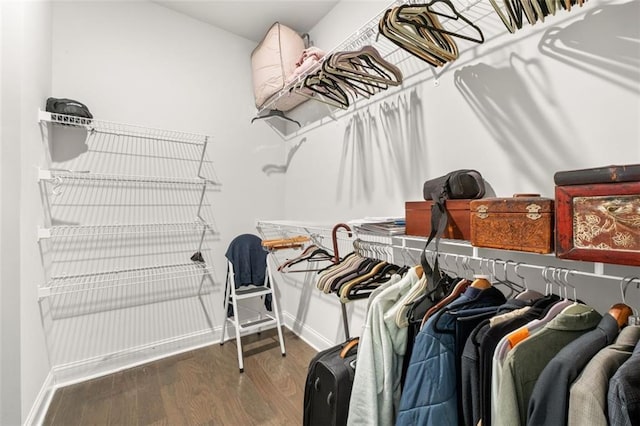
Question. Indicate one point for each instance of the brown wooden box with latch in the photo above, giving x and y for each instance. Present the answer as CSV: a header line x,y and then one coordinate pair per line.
x,y
418,218
522,222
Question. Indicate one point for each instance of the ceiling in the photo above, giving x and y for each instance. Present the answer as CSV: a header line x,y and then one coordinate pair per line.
x,y
252,18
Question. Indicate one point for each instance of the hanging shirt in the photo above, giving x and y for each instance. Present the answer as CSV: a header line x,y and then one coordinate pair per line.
x,y
478,354
429,395
468,392
549,403
525,362
376,386
623,397
588,394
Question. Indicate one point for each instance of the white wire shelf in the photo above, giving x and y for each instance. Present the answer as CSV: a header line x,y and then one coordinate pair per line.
x,y
81,231
123,129
67,284
61,177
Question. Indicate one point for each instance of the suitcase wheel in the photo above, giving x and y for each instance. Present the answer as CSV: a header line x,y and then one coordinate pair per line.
x,y
330,399
316,385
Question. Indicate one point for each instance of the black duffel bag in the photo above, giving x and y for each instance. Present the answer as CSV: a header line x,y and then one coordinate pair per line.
x,y
459,184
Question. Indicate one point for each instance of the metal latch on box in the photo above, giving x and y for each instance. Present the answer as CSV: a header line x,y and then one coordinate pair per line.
x,y
483,211
533,211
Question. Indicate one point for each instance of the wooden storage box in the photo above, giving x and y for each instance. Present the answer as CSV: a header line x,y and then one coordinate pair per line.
x,y
418,218
599,222
522,223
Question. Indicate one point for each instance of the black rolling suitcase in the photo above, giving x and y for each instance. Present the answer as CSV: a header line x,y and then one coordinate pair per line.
x,y
328,387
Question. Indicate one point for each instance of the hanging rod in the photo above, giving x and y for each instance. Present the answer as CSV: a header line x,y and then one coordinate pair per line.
x,y
123,129
62,175
77,231
67,284
481,259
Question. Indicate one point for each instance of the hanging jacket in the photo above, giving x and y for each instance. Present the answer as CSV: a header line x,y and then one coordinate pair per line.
x,y
429,396
549,402
249,260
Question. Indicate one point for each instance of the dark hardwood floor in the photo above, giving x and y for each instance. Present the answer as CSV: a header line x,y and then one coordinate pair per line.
x,y
200,387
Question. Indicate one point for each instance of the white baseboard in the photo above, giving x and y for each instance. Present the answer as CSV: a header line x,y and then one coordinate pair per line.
x,y
68,374
91,368
314,339
41,404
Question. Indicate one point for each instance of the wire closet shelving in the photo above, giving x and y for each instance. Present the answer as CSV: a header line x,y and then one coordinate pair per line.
x,y
94,253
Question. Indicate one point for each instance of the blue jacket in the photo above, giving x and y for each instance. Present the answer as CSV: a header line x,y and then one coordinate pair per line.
x,y
249,260
429,396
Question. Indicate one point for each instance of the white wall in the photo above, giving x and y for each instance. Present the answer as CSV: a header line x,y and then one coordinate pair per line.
x,y
563,94
26,81
141,63
512,108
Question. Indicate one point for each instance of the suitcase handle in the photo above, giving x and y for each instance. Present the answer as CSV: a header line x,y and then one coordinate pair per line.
x,y
353,343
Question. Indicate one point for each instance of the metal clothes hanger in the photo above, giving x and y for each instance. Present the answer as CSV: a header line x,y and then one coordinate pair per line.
x,y
482,281
511,285
527,294
634,318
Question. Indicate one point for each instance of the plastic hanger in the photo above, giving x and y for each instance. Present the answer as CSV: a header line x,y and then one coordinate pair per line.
x,y
312,253
408,37
454,16
364,66
275,113
328,88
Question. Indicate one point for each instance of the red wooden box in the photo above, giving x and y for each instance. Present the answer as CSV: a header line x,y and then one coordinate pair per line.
x,y
418,218
599,222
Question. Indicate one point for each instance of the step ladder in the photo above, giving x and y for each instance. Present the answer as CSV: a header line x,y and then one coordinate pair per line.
x,y
265,321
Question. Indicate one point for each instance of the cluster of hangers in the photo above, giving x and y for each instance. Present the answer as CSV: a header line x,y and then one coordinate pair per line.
x,y
312,254
356,276
512,11
418,29
344,76
557,281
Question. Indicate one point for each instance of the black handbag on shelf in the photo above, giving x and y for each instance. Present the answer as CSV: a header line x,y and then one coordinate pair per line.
x,y
68,107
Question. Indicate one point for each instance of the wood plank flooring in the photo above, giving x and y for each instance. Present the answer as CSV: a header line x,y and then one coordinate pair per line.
x,y
200,387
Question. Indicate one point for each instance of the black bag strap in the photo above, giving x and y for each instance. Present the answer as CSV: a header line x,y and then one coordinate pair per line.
x,y
438,225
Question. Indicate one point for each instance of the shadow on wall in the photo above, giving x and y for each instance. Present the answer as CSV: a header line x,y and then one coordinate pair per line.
x,y
388,147
269,169
505,100
72,143
604,43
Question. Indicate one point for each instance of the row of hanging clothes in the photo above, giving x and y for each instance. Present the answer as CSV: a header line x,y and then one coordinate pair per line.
x,y
447,350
